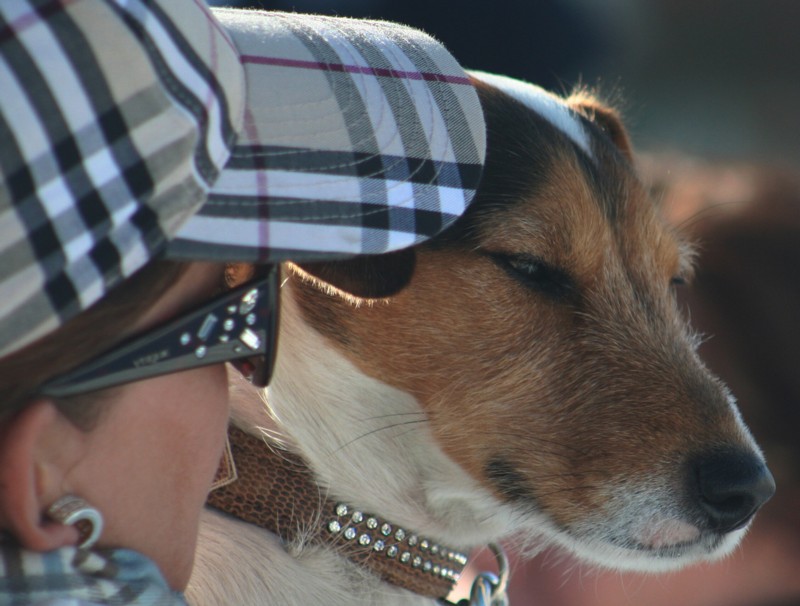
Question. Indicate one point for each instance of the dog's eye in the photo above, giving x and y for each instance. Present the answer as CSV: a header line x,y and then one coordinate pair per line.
x,y
677,281
536,274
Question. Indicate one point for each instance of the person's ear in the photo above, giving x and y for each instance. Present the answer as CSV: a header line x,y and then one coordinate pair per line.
x,y
32,475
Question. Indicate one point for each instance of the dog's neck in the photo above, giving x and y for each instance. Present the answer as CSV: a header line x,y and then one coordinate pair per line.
x,y
369,445
276,491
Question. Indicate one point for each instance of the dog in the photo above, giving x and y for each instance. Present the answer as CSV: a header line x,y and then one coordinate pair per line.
x,y
527,375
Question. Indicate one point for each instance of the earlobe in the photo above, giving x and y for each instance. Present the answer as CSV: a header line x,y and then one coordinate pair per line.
x,y
30,478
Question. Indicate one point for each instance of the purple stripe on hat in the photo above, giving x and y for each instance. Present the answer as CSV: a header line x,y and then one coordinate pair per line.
x,y
356,69
215,25
37,14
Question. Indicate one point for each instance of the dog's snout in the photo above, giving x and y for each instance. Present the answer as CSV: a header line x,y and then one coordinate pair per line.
x,y
729,487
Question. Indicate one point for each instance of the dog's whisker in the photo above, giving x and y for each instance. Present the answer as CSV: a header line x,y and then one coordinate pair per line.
x,y
406,432
700,215
377,430
396,414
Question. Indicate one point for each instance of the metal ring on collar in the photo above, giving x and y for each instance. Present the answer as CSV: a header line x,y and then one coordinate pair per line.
x,y
489,589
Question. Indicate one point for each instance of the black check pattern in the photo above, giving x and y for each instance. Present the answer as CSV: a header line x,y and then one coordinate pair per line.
x,y
81,174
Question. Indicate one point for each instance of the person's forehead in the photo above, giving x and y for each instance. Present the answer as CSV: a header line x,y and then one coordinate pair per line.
x,y
199,283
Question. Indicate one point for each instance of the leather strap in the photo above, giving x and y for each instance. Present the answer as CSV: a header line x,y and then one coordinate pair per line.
x,y
276,490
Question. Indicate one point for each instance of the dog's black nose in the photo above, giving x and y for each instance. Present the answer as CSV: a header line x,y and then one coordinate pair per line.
x,y
730,486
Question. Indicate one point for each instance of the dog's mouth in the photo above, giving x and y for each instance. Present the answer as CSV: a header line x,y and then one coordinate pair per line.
x,y
678,548
661,544
678,541
667,536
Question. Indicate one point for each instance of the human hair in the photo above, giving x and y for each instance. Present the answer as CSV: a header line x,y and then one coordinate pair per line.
x,y
79,340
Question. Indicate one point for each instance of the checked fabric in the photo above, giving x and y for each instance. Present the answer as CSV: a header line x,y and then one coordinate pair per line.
x,y
138,129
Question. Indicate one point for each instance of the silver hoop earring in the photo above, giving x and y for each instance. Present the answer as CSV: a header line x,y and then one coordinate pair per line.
x,y
70,510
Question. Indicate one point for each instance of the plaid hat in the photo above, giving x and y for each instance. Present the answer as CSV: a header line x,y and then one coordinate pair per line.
x,y
135,129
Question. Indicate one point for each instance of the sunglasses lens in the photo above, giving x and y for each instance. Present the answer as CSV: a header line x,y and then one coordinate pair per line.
x,y
252,369
262,372
263,365
258,369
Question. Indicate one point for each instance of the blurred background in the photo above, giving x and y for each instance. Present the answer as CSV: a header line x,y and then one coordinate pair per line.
x,y
717,78
710,91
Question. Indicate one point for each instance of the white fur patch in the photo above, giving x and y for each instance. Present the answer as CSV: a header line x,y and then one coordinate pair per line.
x,y
546,104
239,564
369,445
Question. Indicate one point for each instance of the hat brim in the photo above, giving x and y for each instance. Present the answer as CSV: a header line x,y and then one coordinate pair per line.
x,y
359,137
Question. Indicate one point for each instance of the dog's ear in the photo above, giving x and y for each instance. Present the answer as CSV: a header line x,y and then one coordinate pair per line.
x,y
369,277
606,118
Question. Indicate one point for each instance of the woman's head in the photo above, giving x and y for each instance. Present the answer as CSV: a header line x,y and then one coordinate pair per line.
x,y
146,452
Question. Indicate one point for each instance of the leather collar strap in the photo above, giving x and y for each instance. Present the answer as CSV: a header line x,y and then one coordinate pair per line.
x,y
276,490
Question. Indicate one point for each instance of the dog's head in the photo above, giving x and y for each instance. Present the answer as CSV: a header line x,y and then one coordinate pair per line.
x,y
542,338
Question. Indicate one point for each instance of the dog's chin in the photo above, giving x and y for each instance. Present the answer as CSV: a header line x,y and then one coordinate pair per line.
x,y
666,546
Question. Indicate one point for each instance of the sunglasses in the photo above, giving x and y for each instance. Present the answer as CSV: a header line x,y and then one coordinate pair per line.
x,y
239,326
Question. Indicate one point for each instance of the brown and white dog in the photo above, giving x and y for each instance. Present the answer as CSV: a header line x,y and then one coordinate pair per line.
x,y
527,374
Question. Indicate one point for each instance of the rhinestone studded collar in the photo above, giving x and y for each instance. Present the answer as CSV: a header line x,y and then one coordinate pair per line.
x,y
276,491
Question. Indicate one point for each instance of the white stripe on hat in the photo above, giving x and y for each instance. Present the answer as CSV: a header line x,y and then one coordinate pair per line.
x,y
60,76
283,184
83,273
21,287
135,253
185,72
335,188
547,105
286,235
